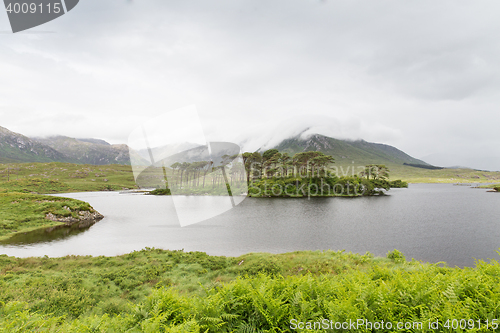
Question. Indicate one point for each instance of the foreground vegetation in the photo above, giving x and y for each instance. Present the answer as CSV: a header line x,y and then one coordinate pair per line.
x,y
171,291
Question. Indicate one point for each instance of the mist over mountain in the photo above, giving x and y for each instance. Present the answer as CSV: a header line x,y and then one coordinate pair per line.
x,y
16,147
162,152
348,151
96,141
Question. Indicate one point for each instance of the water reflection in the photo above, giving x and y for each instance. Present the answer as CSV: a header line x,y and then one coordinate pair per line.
x,y
50,234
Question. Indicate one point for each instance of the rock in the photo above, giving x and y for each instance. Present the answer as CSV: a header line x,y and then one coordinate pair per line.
x,y
84,215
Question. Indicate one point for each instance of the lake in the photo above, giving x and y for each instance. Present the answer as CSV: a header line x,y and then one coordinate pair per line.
x,y
428,222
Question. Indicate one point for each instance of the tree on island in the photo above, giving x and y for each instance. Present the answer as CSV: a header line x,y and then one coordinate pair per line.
x,y
310,161
271,173
379,174
377,171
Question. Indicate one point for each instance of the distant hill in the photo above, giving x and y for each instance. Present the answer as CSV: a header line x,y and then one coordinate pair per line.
x,y
162,152
89,151
345,151
15,147
97,141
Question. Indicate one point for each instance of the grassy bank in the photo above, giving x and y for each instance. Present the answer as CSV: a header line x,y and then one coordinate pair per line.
x,y
22,212
22,208
171,291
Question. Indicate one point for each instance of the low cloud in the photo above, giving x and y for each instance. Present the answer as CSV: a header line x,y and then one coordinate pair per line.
x,y
348,128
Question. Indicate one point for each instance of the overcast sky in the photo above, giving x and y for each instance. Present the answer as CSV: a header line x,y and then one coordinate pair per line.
x,y
423,76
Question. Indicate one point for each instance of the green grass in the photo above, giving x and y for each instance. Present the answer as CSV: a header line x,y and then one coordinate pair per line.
x,y
64,177
419,175
492,186
106,285
22,212
171,291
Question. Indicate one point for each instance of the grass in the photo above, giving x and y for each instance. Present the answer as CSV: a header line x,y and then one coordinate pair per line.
x,y
64,177
22,212
492,186
105,285
172,291
419,175
23,209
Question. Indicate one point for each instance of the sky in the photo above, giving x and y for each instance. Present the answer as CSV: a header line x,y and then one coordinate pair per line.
x,y
423,76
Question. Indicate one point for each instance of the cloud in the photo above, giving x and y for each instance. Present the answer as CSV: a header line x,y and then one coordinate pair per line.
x,y
348,127
405,74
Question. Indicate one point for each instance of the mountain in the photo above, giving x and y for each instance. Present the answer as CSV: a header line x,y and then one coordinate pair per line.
x,y
347,152
15,148
162,152
89,151
97,141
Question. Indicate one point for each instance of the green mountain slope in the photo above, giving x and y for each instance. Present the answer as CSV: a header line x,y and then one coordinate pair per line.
x,y
89,151
16,147
348,152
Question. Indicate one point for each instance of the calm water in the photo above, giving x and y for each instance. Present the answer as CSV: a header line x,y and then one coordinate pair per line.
x,y
429,222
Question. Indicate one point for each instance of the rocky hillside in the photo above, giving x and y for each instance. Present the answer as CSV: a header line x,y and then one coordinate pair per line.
x,y
345,151
16,147
89,151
